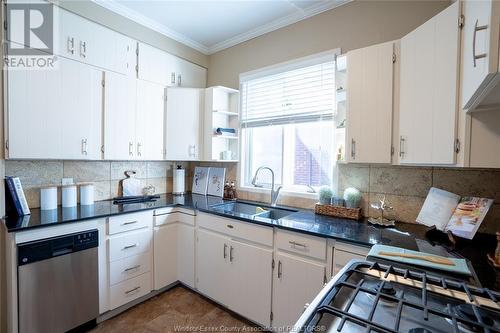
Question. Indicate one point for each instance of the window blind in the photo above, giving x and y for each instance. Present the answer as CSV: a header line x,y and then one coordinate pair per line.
x,y
300,95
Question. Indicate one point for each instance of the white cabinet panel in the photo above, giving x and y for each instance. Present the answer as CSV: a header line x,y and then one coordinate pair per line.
x,y
128,290
127,268
62,116
150,120
480,38
296,282
119,117
428,90
185,254
369,104
251,267
212,270
182,125
129,244
165,255
191,75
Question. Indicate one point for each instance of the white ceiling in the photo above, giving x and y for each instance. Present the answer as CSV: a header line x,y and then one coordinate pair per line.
x,y
210,26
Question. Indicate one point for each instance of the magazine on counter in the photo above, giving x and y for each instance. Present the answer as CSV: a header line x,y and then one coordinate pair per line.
x,y
450,212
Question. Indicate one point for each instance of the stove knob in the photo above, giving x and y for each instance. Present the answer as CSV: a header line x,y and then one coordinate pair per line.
x,y
305,307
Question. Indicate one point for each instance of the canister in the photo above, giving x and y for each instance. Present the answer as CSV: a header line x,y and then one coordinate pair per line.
x,y
48,197
69,195
86,194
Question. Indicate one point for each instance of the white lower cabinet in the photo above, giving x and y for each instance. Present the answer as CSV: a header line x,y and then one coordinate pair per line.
x,y
343,253
165,255
185,254
213,278
235,273
296,282
129,258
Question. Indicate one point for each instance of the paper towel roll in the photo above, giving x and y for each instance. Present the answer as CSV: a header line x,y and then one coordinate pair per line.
x,y
179,179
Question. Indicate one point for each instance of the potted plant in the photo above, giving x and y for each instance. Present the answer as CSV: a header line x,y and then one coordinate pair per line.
x,y
352,197
325,195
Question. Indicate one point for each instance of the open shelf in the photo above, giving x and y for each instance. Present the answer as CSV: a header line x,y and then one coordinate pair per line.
x,y
227,113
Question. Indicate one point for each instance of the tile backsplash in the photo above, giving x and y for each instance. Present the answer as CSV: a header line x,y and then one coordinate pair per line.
x,y
105,175
404,187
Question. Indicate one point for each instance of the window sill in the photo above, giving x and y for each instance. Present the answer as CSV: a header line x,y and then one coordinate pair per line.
x,y
283,192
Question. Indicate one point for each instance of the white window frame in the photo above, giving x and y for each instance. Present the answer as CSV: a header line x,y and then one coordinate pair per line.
x,y
310,60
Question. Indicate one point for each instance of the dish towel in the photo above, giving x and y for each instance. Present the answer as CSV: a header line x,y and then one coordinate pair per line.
x,y
460,266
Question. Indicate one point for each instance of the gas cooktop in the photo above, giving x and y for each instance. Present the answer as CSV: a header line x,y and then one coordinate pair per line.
x,y
373,297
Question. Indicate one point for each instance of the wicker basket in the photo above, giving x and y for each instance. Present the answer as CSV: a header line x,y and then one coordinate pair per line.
x,y
338,211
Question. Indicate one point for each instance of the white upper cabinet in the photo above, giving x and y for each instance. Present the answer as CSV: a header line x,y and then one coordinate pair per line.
x,y
119,117
182,123
370,104
150,120
91,43
55,114
157,66
428,90
480,51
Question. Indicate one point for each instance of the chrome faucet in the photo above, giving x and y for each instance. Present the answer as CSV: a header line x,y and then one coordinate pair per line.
x,y
274,193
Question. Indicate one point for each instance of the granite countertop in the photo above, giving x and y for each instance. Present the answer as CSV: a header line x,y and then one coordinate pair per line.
x,y
362,233
305,221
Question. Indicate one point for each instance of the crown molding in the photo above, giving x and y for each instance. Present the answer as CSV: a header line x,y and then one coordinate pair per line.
x,y
277,24
264,29
151,24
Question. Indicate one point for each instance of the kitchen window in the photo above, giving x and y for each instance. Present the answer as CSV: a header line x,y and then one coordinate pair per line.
x,y
287,123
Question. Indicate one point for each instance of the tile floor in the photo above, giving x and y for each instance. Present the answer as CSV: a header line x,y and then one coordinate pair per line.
x,y
177,310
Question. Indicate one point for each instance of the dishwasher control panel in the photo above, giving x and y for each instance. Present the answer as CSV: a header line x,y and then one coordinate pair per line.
x,y
57,246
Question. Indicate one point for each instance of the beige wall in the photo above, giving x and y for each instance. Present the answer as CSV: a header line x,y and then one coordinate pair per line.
x,y
101,15
354,25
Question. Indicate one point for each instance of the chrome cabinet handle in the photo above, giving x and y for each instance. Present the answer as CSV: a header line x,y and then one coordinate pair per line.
x,y
179,80
71,45
84,147
129,222
128,292
294,243
476,29
353,149
172,78
401,146
280,272
231,254
225,251
130,246
131,268
130,149
83,49
139,145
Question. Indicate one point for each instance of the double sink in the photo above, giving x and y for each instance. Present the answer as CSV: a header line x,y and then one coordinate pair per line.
x,y
251,211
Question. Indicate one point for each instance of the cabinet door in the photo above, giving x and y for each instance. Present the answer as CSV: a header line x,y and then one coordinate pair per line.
x,y
428,90
212,270
182,130
185,254
369,104
150,120
165,255
119,117
296,282
157,66
251,267
60,109
81,107
480,44
191,75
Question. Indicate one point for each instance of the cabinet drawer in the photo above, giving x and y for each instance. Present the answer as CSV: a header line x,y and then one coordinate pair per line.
x,y
311,246
174,217
127,268
121,223
127,291
341,258
130,244
237,229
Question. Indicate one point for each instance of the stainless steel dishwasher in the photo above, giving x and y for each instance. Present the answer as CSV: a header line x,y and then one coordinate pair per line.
x,y
58,285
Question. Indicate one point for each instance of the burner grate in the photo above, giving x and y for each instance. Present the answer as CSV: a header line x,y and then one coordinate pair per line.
x,y
425,280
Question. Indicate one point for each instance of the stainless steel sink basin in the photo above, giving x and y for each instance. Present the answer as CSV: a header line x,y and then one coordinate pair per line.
x,y
252,210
